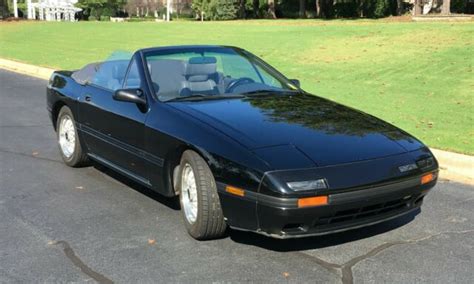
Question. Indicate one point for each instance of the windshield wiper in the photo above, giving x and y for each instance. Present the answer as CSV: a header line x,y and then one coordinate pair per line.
x,y
198,97
269,92
191,97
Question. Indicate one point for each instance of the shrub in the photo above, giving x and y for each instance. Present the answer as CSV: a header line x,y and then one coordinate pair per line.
x,y
377,8
382,8
224,9
92,18
345,9
459,6
216,9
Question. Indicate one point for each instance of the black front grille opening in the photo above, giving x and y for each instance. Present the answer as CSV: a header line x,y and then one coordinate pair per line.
x,y
347,212
294,228
372,207
419,200
363,212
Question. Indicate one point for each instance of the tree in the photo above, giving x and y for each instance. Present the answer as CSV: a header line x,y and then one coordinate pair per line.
x,y
256,8
327,8
399,7
302,11
224,9
446,7
241,9
216,9
417,8
98,8
318,8
271,9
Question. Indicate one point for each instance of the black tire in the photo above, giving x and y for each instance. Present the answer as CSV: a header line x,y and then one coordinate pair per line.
x,y
209,223
78,157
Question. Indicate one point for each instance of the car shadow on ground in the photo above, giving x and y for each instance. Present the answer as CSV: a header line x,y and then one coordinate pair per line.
x,y
308,243
280,245
170,202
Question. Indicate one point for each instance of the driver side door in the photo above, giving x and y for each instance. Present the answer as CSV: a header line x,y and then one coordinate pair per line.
x,y
115,130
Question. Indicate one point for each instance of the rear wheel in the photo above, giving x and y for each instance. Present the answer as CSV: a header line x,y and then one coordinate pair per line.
x,y
200,205
68,140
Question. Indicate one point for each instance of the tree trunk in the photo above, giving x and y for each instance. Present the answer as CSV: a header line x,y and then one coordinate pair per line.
x,y
241,13
360,8
302,12
271,9
326,8
446,7
256,8
318,8
399,7
417,8
5,5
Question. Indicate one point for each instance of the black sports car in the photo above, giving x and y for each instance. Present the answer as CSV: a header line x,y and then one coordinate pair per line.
x,y
242,145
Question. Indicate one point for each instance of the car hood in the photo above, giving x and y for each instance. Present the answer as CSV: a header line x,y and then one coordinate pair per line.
x,y
310,129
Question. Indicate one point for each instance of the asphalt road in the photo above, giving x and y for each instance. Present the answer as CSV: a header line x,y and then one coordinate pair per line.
x,y
59,224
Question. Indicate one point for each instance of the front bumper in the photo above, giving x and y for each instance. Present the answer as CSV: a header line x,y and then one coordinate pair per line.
x,y
281,217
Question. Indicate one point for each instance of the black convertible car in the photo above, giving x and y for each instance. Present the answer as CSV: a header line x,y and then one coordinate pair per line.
x,y
242,145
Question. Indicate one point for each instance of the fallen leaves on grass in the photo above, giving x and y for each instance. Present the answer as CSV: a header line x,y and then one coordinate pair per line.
x,y
151,241
286,274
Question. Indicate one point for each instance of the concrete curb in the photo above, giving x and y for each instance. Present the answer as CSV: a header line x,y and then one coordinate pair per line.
x,y
26,69
453,166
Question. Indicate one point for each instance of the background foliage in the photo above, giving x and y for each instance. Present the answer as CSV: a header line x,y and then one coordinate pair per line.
x,y
249,9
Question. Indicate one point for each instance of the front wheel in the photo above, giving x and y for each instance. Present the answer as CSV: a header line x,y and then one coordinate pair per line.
x,y
200,205
68,140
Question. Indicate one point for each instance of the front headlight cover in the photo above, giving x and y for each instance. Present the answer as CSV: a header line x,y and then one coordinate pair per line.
x,y
426,163
308,185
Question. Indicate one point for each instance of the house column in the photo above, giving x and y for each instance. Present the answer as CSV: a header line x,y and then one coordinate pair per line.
x,y
15,9
29,14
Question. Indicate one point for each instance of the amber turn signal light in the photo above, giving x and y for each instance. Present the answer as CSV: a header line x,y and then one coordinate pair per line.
x,y
235,190
427,178
313,201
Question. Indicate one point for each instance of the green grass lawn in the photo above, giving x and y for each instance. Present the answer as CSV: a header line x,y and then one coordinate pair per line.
x,y
418,76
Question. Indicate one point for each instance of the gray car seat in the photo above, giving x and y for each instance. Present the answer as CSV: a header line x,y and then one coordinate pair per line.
x,y
166,75
199,76
118,74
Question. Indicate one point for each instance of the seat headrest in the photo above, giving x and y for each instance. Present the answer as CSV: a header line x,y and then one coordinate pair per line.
x,y
202,60
200,66
118,71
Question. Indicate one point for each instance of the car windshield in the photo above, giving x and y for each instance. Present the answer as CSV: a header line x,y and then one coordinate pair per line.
x,y
210,73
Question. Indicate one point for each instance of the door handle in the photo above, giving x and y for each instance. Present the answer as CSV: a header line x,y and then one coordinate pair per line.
x,y
88,98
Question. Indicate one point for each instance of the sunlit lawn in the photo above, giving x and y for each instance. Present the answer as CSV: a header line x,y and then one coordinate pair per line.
x,y
418,76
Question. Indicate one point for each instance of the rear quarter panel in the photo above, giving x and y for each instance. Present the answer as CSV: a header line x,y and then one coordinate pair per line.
x,y
62,90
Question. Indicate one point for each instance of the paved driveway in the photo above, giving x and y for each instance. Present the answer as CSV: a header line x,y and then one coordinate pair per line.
x,y
59,224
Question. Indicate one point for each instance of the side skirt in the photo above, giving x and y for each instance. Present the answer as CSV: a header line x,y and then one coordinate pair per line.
x,y
120,170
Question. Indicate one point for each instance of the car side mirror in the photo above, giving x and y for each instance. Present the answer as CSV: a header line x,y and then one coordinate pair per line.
x,y
296,82
130,95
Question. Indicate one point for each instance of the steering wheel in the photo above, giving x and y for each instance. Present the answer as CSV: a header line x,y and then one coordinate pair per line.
x,y
232,85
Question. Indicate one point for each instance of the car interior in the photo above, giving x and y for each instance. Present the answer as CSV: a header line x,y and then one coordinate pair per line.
x,y
197,75
171,78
